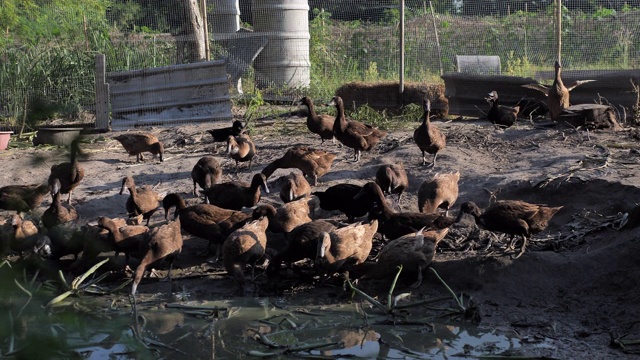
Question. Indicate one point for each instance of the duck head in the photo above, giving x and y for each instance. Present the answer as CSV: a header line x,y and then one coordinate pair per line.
x,y
491,97
304,101
324,243
238,128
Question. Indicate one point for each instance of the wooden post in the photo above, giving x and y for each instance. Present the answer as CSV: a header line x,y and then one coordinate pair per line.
x,y
435,31
401,89
102,94
526,11
205,22
559,29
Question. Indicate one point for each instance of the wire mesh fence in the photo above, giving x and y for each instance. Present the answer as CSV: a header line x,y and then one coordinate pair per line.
x,y
292,47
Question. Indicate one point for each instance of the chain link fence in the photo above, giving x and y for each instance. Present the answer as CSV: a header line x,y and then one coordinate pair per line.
x,y
328,43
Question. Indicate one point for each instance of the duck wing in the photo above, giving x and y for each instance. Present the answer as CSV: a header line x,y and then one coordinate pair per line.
x,y
578,83
542,88
506,216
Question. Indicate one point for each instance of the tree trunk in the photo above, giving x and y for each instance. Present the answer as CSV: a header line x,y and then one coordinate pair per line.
x,y
592,116
191,46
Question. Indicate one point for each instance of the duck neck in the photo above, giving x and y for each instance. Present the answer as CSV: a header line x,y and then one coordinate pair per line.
x,y
386,212
557,81
179,204
74,153
269,169
341,120
255,187
425,118
110,225
312,109
56,199
133,192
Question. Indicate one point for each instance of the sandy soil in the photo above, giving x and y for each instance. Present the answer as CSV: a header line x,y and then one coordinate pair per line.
x,y
576,284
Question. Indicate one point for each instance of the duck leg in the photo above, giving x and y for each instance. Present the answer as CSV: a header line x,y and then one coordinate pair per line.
x,y
433,163
418,282
357,155
524,245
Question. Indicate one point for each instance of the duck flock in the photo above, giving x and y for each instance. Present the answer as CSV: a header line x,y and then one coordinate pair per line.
x,y
238,226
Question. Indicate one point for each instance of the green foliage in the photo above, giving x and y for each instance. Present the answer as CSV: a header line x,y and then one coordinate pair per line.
x,y
603,13
371,74
35,21
518,66
391,16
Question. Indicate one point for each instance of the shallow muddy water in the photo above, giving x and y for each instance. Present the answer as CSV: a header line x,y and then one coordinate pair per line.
x,y
105,328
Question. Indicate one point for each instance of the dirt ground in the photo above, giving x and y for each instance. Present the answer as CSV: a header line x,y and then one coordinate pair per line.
x,y
575,286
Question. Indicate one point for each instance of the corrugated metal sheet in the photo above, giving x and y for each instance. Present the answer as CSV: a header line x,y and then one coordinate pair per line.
x,y
614,86
170,95
466,92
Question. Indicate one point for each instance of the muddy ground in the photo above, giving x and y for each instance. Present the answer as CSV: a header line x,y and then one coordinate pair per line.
x,y
575,286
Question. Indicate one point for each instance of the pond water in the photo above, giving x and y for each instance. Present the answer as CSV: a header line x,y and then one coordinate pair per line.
x,y
104,328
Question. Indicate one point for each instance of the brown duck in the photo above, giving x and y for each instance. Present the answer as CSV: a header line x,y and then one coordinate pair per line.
x,y
392,224
205,221
127,239
513,217
295,187
354,134
206,172
235,195
318,124
58,213
392,179
286,217
428,137
342,197
142,201
222,134
557,94
69,174
312,162
22,198
301,243
345,246
501,115
241,149
137,143
441,192
245,245
163,242
412,251
90,239
24,235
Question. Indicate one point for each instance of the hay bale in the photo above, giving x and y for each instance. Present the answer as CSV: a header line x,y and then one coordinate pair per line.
x,y
385,96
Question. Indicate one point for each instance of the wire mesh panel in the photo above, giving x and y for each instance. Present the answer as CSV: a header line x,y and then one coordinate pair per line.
x,y
47,52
